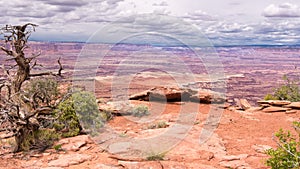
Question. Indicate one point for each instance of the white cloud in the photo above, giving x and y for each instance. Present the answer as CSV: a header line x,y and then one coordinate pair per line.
x,y
235,22
163,3
199,15
282,10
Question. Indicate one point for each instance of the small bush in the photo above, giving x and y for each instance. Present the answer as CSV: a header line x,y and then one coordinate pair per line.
x,y
271,97
288,91
287,154
57,147
156,157
45,90
140,111
39,139
79,111
160,124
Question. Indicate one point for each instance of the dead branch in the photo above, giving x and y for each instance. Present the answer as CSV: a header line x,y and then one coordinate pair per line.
x,y
60,67
49,73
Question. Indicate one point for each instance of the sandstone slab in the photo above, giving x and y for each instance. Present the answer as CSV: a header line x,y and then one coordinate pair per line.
x,y
67,160
74,143
294,105
245,104
275,109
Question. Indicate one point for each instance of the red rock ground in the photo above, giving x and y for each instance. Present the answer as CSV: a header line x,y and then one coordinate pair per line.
x,y
233,144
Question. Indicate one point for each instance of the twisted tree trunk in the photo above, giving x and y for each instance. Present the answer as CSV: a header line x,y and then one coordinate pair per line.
x,y
14,109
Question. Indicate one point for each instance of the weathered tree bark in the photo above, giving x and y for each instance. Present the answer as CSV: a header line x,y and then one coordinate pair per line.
x,y
14,109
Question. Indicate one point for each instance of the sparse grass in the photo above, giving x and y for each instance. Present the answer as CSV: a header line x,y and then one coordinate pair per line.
x,y
156,157
196,122
57,147
140,111
123,134
159,124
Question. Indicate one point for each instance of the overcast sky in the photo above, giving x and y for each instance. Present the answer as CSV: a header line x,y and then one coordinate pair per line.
x,y
223,22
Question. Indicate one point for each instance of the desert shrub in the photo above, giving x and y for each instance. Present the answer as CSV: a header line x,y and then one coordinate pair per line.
x,y
161,124
79,110
140,111
156,157
44,89
287,154
157,125
39,139
270,97
288,91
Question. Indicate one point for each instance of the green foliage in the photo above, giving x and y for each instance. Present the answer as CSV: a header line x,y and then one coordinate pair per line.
x,y
57,147
271,97
288,91
67,121
42,138
79,110
287,154
140,111
44,89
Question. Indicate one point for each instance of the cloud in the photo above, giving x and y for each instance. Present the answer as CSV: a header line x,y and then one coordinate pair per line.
x,y
282,10
65,2
199,15
233,28
163,3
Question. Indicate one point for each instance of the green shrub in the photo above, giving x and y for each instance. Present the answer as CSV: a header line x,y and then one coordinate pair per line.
x,y
156,157
271,97
288,91
79,111
140,111
287,154
39,139
57,147
45,90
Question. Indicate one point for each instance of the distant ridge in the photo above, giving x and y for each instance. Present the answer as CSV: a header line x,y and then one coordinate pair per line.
x,y
175,45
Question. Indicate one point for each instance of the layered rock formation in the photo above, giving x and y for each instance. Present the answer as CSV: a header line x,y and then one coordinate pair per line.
x,y
171,94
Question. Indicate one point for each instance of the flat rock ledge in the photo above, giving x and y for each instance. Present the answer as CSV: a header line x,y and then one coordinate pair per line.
x,y
173,94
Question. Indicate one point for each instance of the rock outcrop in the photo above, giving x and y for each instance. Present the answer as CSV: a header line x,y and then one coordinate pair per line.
x,y
271,106
171,94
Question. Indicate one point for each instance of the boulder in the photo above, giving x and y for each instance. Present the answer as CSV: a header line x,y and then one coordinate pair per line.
x,y
275,109
245,104
169,94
